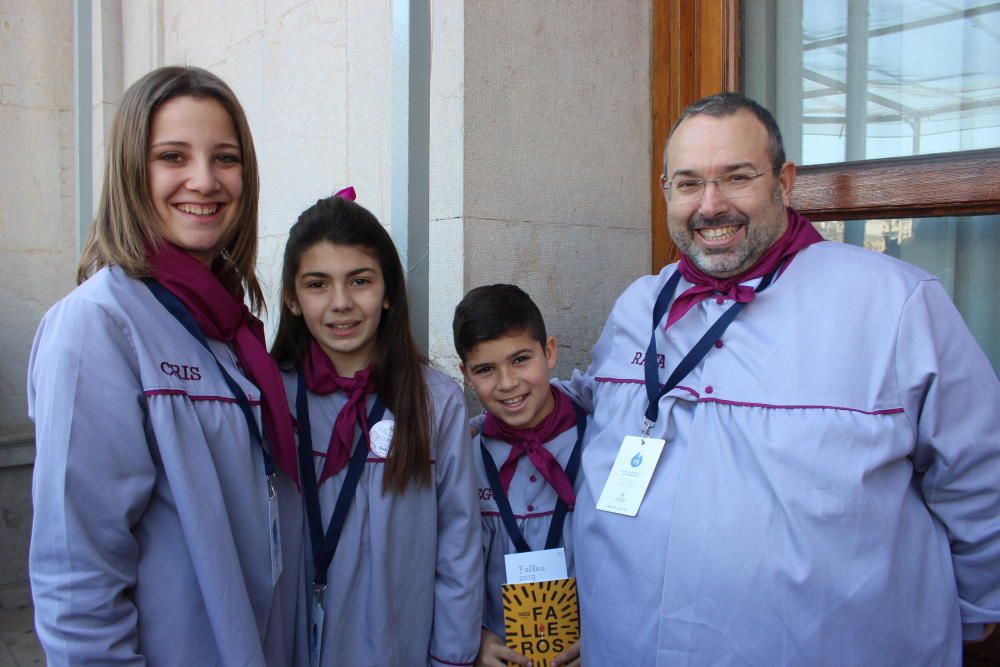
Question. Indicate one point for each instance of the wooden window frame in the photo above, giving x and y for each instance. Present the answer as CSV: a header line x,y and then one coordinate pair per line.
x,y
696,52
966,183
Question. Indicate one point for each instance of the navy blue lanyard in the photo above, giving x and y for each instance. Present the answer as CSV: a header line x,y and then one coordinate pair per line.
x,y
182,315
325,546
559,516
653,390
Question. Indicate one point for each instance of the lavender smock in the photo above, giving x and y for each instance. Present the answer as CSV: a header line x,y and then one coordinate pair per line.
x,y
532,501
150,538
405,585
829,493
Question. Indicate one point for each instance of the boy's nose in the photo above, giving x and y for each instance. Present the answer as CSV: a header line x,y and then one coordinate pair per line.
x,y
506,380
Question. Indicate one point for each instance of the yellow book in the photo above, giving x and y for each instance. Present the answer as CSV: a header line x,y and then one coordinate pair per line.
x,y
541,619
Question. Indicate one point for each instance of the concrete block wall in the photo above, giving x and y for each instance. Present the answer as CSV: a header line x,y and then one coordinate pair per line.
x,y
313,77
37,261
557,154
540,125
36,185
539,137
447,178
539,134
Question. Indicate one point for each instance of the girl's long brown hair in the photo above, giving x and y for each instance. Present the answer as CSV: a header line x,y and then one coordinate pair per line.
x,y
397,369
126,220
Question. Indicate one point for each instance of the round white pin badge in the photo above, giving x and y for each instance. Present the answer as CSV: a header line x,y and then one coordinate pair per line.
x,y
380,437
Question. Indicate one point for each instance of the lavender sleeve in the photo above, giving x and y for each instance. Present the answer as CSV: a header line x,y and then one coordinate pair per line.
x,y
93,477
458,588
952,399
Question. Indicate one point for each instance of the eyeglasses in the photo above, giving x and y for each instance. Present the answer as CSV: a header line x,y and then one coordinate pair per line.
x,y
684,190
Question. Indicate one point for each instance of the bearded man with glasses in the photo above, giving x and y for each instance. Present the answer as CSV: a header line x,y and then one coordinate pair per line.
x,y
794,453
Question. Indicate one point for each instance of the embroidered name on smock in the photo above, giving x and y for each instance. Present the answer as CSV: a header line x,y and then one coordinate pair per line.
x,y
486,494
640,358
180,371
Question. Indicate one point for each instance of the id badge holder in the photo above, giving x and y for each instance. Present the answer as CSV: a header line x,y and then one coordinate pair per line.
x,y
274,530
316,626
630,475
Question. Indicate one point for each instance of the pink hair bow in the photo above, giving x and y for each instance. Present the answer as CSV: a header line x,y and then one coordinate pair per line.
x,y
347,193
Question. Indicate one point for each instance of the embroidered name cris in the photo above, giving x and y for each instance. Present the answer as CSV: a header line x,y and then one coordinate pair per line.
x,y
640,358
181,372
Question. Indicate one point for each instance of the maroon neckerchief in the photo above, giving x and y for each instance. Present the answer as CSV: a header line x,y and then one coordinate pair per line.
x,y
322,378
531,441
799,234
224,317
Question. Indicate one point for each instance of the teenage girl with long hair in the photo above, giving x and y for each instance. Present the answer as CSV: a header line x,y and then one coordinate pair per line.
x,y
167,526
394,568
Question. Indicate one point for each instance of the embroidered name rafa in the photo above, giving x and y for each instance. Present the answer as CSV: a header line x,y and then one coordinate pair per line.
x,y
640,359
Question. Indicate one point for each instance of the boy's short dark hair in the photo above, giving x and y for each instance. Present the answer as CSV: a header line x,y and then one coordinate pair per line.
x,y
494,311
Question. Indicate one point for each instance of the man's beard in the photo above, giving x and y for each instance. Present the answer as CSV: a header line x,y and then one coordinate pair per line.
x,y
718,261
731,261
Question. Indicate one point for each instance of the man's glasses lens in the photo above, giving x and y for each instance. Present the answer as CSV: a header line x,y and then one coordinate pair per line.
x,y
686,190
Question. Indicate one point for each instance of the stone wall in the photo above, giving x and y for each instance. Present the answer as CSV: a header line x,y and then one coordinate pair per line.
x,y
557,150
37,238
539,153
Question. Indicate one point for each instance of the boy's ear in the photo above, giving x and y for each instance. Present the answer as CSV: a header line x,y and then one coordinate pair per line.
x,y
461,367
551,352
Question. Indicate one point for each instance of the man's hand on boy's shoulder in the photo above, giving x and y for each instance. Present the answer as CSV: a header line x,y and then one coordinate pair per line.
x,y
568,658
476,425
494,653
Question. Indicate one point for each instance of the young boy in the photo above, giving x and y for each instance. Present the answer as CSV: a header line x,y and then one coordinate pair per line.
x,y
532,434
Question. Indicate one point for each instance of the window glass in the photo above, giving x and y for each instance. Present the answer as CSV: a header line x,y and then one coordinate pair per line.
x,y
960,251
865,79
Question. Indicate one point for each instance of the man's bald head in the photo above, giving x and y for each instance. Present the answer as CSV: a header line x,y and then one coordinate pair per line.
x,y
730,104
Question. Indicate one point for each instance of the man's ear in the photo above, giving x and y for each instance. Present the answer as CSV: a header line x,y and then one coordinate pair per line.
x,y
551,352
786,181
